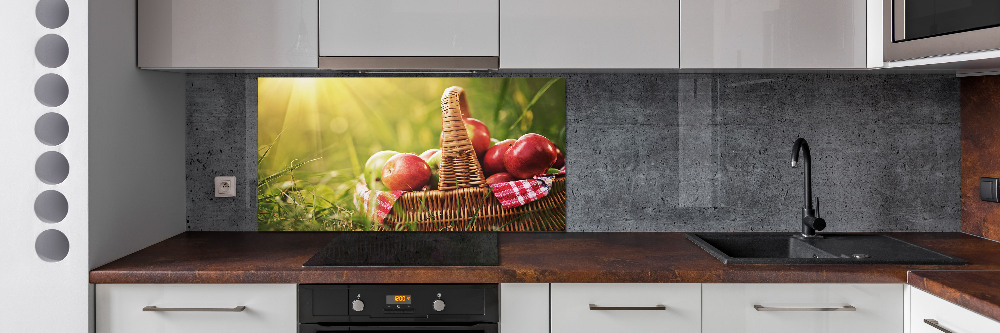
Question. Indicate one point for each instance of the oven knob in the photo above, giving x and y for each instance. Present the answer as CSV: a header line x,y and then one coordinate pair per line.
x,y
438,305
358,305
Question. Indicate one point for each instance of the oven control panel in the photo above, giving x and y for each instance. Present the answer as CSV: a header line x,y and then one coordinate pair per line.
x,y
420,299
398,303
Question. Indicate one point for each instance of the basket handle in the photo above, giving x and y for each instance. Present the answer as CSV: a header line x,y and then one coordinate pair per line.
x,y
463,103
459,165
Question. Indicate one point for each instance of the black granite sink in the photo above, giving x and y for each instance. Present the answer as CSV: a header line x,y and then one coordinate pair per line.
x,y
786,248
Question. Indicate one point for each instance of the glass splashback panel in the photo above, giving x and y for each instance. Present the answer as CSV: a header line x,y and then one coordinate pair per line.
x,y
373,154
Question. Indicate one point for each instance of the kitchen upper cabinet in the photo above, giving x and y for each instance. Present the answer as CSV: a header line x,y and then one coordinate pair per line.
x,y
780,34
582,34
196,308
220,34
407,34
930,314
408,28
626,307
802,308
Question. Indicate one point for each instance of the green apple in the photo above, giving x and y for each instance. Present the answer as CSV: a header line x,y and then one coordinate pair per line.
x,y
373,169
435,163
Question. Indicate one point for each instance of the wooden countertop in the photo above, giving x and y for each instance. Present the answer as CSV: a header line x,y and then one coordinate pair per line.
x,y
277,257
978,291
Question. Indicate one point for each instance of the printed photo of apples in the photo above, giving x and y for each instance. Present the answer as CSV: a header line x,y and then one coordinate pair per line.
x,y
421,154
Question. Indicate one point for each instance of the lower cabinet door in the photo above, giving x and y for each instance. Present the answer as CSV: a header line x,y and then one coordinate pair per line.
x,y
802,308
626,307
524,308
930,314
196,308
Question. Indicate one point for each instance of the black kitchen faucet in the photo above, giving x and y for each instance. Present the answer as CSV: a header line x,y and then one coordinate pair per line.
x,y
810,222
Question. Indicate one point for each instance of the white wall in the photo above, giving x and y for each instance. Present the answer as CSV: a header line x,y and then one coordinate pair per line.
x,y
137,184
125,150
36,295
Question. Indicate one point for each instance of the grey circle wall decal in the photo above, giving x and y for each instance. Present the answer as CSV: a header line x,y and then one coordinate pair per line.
x,y
52,13
51,129
52,167
52,245
51,90
51,51
51,206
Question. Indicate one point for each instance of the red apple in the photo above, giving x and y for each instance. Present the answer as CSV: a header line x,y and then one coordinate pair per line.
x,y
405,172
479,134
530,155
500,178
560,159
426,155
493,160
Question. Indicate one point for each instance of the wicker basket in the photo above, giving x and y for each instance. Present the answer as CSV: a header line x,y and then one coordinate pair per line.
x,y
463,201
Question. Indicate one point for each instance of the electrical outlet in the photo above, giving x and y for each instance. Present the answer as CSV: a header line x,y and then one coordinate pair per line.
x,y
225,186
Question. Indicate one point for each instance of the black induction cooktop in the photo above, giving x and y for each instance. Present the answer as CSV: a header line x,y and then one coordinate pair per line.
x,y
409,248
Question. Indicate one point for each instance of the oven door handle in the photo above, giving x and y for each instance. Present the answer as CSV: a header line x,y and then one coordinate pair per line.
x,y
417,327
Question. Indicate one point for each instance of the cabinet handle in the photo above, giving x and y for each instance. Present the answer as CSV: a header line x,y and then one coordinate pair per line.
x,y
233,309
935,324
630,308
759,307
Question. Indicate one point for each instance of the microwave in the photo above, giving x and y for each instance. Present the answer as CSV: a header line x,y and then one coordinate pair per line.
x,y
915,29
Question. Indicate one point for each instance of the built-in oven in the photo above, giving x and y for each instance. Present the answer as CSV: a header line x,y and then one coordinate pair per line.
x,y
389,308
927,28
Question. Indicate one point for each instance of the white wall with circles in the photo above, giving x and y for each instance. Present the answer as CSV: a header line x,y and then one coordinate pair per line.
x,y
80,123
51,90
43,203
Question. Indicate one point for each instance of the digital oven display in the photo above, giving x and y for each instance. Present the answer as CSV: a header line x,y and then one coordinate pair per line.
x,y
397,299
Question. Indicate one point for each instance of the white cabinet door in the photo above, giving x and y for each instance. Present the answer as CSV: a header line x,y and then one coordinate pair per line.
x,y
626,307
951,317
269,308
409,28
589,34
793,308
524,308
227,34
774,34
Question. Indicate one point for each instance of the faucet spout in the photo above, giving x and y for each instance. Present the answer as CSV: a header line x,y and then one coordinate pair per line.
x,y
810,222
803,146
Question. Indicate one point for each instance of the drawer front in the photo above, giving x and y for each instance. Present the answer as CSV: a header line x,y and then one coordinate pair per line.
x,y
269,308
949,316
572,311
730,308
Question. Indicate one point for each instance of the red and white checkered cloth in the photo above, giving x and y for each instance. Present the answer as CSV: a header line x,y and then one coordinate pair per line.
x,y
384,200
521,192
510,194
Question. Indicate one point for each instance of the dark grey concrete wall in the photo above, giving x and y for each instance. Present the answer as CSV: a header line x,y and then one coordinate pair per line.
x,y
683,152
